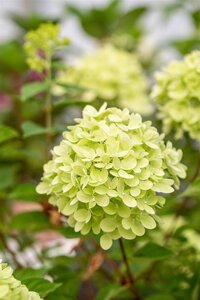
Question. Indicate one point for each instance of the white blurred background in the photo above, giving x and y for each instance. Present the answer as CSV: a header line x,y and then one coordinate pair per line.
x,y
159,30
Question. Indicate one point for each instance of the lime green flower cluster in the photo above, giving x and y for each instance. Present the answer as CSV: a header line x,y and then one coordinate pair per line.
x,y
41,44
177,94
112,74
11,288
107,171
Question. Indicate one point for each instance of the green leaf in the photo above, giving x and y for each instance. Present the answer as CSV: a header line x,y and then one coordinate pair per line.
x,y
7,133
11,57
186,45
30,22
31,221
110,291
160,296
7,175
71,86
129,19
30,129
70,101
31,89
25,191
69,233
11,151
193,189
41,286
154,251
98,22
33,279
28,273
68,291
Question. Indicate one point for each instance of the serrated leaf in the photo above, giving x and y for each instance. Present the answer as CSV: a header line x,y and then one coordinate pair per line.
x,y
7,133
32,89
30,128
154,251
25,191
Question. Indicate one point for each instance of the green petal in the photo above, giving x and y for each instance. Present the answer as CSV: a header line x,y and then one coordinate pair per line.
x,y
102,200
101,189
124,211
126,223
129,201
162,188
137,228
124,174
147,221
145,185
127,234
42,188
135,192
106,242
78,226
69,209
110,209
128,163
108,224
83,197
4,290
82,215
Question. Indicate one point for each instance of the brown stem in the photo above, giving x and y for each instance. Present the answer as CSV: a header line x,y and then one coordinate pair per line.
x,y
128,271
113,265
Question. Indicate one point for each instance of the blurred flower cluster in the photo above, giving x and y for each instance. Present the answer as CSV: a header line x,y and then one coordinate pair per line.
x,y
112,74
177,94
41,44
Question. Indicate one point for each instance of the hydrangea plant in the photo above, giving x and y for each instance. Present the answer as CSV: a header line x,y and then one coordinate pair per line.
x,y
11,288
111,74
108,172
177,95
41,44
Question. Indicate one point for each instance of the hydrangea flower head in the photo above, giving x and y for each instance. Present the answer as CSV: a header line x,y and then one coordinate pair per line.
x,y
11,288
112,74
107,171
177,94
41,44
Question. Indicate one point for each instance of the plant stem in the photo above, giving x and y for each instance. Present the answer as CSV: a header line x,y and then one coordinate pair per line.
x,y
128,271
48,111
196,172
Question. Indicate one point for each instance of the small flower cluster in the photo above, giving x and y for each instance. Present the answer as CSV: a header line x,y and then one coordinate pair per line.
x,y
11,288
177,94
112,74
41,44
107,171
